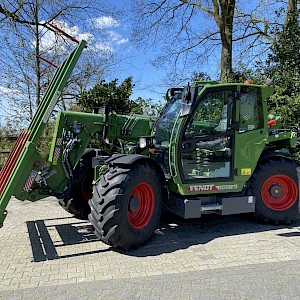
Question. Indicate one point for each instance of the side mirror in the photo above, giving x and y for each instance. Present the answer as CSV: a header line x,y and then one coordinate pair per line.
x,y
189,96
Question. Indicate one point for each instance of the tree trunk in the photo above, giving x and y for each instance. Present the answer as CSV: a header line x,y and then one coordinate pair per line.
x,y
225,22
226,62
291,13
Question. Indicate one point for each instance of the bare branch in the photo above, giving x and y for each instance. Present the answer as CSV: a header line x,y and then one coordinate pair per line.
x,y
199,5
206,38
13,16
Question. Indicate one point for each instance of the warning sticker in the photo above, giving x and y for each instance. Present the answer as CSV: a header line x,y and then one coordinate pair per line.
x,y
56,156
246,171
30,181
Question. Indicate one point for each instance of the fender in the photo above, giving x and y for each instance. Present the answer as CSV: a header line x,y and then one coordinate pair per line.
x,y
133,159
275,154
128,159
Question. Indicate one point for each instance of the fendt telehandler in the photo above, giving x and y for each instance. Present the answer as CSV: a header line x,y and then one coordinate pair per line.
x,y
213,149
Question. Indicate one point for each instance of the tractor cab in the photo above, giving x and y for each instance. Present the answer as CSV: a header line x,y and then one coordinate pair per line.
x,y
211,137
212,144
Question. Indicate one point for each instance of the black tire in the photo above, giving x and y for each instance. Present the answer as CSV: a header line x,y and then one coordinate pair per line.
x,y
275,186
78,204
126,205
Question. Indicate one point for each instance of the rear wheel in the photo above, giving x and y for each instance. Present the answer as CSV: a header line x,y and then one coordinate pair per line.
x,y
275,186
126,205
78,205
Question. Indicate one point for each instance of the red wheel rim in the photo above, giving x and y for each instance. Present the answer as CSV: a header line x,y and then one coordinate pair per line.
x,y
141,205
86,186
279,192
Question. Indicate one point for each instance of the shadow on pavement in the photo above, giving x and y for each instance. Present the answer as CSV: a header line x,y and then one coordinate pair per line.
x,y
290,234
43,247
172,235
176,234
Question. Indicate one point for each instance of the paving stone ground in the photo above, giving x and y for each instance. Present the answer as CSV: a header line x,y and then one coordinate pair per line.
x,y
47,254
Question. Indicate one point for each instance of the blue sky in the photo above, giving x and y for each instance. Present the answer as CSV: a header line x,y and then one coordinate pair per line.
x,y
133,61
112,34
109,34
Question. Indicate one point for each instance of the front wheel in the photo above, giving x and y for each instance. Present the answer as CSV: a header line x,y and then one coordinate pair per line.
x,y
275,186
126,205
77,204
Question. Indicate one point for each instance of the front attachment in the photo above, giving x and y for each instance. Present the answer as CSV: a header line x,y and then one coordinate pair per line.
x,y
22,166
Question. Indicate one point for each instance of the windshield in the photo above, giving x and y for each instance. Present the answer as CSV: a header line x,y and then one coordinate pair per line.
x,y
165,123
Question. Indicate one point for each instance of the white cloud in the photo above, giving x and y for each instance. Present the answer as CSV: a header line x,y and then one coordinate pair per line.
x,y
117,38
51,42
109,43
48,41
73,31
101,47
106,43
105,22
6,90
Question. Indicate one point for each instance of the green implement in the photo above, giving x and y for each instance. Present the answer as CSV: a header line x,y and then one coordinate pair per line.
x,y
20,168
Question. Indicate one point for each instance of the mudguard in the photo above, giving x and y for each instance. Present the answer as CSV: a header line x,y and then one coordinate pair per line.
x,y
127,159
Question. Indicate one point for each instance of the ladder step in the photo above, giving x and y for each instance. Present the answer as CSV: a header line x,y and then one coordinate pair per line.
x,y
210,207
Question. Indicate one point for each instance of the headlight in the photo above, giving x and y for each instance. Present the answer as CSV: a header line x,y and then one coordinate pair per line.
x,y
271,117
142,142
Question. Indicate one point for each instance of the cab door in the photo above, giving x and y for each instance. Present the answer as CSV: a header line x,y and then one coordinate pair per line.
x,y
206,143
252,133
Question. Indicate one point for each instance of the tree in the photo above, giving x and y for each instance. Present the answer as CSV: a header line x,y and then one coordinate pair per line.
x,y
200,76
285,59
170,23
146,107
283,67
117,98
26,36
108,93
187,33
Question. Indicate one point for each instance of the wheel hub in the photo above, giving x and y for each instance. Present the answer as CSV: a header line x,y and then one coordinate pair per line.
x,y
133,204
279,192
141,205
276,191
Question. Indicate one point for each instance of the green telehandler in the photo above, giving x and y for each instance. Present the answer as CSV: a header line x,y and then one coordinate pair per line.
x,y
213,149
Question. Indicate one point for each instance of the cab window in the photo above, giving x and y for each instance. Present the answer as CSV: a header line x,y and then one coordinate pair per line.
x,y
251,116
214,114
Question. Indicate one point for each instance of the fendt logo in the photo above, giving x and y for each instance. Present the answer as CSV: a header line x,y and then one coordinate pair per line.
x,y
211,187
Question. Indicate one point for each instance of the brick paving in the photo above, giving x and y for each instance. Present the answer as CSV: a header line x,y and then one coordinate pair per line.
x,y
47,254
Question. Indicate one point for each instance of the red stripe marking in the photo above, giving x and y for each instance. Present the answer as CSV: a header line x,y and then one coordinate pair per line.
x,y
13,158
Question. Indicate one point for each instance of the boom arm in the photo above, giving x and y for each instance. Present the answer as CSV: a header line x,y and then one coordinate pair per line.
x,y
24,158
